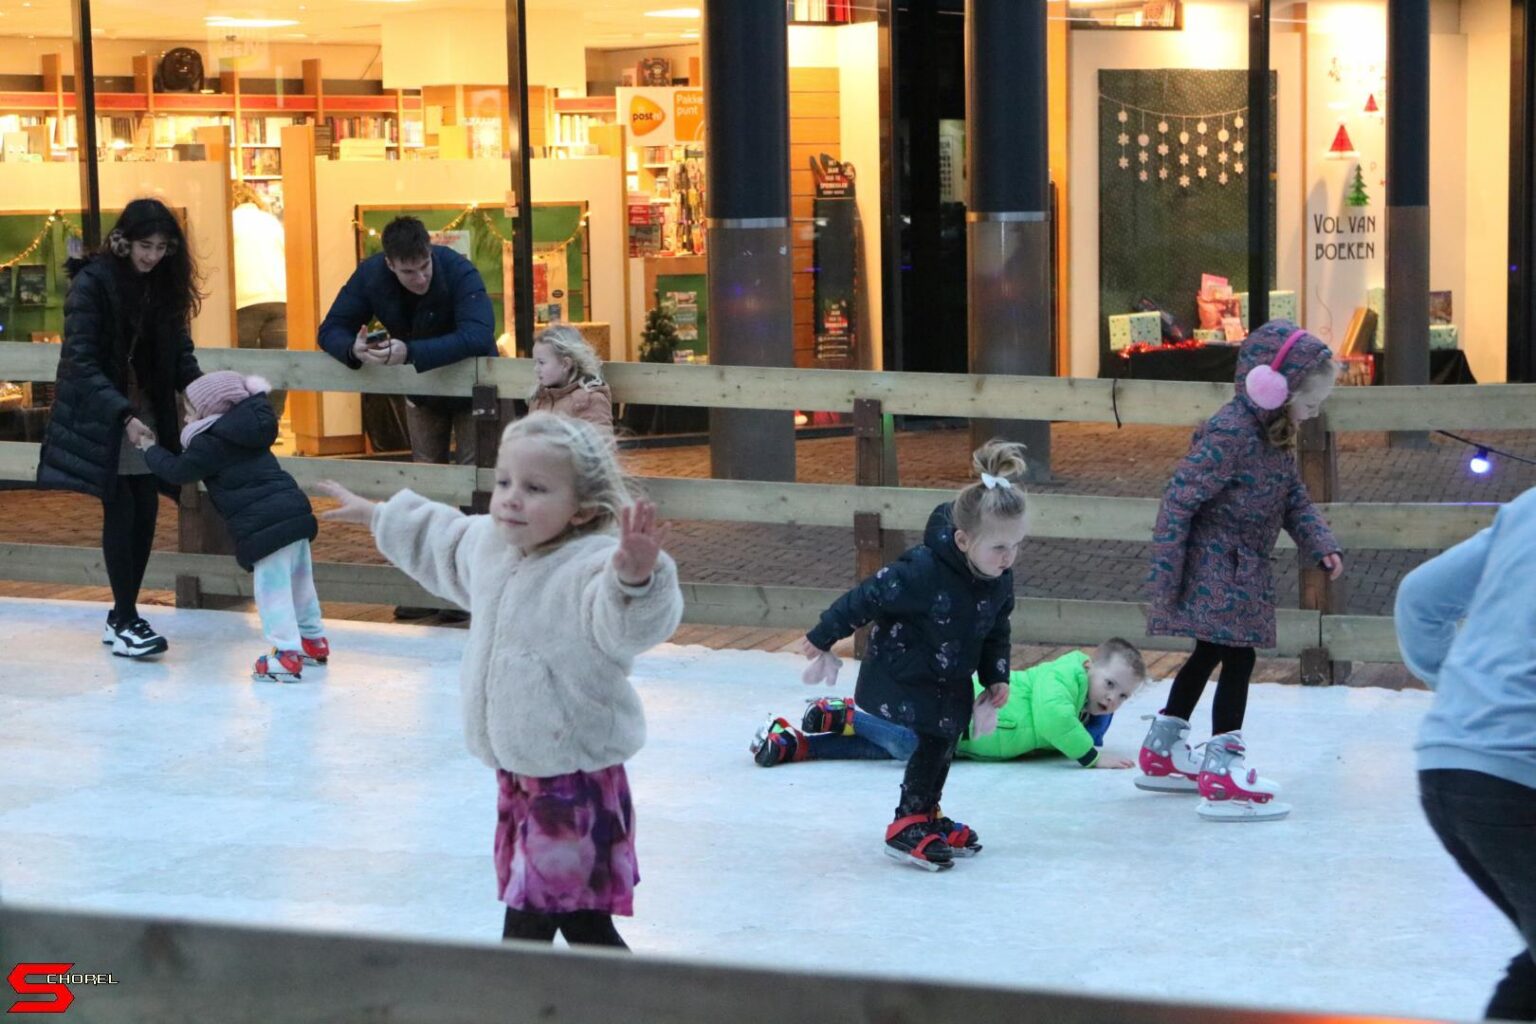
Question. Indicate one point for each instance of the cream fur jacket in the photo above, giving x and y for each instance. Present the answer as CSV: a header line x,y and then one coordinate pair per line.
x,y
545,677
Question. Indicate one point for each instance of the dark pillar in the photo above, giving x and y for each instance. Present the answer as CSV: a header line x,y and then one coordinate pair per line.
x,y
522,178
893,352
1407,340
85,121
1007,224
1261,246
751,293
1522,192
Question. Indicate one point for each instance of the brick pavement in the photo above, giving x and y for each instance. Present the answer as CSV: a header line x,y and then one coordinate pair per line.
x,y
1088,459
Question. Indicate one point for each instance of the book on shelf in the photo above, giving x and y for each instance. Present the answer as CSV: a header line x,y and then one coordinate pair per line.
x,y
364,126
264,131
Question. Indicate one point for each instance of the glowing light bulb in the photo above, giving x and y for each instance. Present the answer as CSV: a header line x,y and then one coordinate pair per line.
x,y
1480,463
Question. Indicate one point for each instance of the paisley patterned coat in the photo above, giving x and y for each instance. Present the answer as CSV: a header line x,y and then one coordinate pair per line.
x,y
1224,508
936,622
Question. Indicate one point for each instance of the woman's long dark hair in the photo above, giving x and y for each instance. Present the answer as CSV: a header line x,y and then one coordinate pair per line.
x,y
173,293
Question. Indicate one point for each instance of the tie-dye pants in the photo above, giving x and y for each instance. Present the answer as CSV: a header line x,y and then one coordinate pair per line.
x,y
285,597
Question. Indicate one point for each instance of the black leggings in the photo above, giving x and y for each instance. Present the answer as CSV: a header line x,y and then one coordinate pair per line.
x,y
580,927
128,513
1231,689
927,771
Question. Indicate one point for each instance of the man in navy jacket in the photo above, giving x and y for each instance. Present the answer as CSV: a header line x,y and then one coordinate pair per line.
x,y
433,303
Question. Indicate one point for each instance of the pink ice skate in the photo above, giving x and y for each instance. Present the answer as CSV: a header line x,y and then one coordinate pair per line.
x,y
1167,763
1232,791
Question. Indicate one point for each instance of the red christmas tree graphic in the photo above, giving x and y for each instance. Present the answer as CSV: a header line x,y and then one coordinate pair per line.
x,y
1370,104
1341,147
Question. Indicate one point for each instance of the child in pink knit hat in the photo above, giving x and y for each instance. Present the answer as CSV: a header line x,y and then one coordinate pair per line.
x,y
228,446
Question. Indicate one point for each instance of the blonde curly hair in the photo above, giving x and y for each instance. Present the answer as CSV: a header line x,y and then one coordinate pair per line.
x,y
566,342
599,482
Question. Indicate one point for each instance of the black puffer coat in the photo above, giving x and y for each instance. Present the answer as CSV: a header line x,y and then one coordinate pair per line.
x,y
90,406
261,503
936,622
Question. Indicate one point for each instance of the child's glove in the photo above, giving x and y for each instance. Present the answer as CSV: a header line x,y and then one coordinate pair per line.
x,y
822,670
983,716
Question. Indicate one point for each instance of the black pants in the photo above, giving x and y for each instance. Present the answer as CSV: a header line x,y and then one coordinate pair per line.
x,y
580,927
927,771
128,514
1489,825
1231,690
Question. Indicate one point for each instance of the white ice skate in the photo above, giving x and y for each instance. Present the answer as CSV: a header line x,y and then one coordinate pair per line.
x,y
1167,763
1232,791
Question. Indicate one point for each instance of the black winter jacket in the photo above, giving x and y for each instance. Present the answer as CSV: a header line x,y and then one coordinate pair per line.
x,y
261,503
453,321
90,406
936,622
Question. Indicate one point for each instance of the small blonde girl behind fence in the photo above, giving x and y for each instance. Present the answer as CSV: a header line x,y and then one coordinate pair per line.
x,y
568,378
566,583
940,614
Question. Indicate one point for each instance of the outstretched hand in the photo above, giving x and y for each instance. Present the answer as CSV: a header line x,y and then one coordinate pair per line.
x,y
354,508
640,539
1108,760
139,435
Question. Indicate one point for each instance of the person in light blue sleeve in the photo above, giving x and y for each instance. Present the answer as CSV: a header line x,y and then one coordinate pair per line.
x,y
1466,625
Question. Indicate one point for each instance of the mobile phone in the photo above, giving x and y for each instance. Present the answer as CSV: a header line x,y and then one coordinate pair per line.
x,y
377,338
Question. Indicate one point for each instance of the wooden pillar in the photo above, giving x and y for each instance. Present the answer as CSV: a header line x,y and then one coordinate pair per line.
x,y
874,465
1317,454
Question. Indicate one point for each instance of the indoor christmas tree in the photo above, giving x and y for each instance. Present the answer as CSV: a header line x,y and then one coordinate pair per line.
x,y
659,338
1357,196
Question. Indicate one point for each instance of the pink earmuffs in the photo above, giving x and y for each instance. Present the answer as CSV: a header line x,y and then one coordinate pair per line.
x,y
1265,384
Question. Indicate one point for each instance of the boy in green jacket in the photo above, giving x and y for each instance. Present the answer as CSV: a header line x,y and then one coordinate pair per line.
x,y
1057,704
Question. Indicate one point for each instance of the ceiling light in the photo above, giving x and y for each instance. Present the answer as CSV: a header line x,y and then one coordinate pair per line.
x,y
674,12
220,21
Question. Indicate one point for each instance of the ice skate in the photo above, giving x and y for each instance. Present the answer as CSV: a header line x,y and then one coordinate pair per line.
x,y
1167,762
317,650
1232,791
279,667
828,714
913,840
778,742
961,837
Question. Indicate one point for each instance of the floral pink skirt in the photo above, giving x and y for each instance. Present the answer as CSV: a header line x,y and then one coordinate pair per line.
x,y
566,842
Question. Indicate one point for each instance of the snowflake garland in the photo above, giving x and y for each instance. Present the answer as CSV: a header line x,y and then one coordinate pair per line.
x,y
1180,148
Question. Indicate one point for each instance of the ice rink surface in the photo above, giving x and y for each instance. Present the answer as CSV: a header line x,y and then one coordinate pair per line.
x,y
179,788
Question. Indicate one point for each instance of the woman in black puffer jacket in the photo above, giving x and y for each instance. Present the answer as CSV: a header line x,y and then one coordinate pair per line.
x,y
127,351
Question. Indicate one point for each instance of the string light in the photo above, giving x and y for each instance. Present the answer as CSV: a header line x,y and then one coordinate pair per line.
x,y
490,227
1481,462
37,241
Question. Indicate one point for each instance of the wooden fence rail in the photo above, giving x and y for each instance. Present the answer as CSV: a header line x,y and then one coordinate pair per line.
x,y
170,970
886,508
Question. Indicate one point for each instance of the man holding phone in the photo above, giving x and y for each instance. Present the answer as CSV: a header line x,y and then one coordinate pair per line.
x,y
435,311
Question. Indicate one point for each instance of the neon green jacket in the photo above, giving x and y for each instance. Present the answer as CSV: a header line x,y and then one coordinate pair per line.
x,y
1044,706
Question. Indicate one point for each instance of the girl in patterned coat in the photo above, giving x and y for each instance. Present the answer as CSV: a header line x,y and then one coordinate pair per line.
x,y
940,614
1211,581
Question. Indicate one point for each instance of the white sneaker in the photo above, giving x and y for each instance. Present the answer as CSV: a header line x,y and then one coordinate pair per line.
x,y
137,640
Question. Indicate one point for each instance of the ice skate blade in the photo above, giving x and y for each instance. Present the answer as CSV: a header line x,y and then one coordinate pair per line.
x,y
1167,784
1242,810
965,851
917,862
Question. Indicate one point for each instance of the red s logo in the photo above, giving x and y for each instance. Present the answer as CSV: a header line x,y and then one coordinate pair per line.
x,y
60,992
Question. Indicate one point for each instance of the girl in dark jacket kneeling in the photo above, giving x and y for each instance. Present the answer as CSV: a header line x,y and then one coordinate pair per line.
x,y
940,614
229,448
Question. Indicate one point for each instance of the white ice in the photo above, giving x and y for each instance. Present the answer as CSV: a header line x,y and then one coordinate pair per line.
x,y
179,788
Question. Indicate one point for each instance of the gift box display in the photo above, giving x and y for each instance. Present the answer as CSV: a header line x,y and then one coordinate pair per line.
x,y
1282,306
1208,336
1443,336
1129,329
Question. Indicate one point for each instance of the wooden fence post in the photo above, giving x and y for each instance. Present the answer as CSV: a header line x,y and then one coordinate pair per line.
x,y
486,403
200,530
874,465
1317,453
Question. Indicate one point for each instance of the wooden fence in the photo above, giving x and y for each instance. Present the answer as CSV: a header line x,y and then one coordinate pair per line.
x,y
1318,633
148,969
